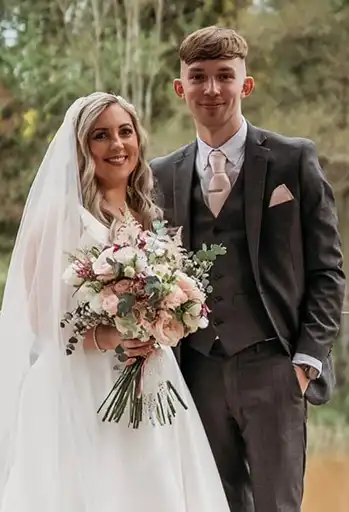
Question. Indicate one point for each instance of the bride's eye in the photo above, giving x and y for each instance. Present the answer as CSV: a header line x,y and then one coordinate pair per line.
x,y
126,132
100,135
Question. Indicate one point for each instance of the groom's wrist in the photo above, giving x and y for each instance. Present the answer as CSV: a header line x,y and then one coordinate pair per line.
x,y
306,362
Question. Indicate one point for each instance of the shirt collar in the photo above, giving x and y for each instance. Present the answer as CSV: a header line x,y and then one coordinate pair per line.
x,y
232,148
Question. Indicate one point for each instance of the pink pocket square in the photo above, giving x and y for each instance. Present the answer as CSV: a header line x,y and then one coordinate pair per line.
x,y
280,195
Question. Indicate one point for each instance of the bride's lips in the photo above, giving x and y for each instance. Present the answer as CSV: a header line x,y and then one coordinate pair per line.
x,y
116,160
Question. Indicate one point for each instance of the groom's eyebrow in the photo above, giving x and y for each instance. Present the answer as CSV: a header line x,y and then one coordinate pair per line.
x,y
196,69
226,68
223,68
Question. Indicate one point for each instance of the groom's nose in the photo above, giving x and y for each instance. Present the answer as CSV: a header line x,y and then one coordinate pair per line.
x,y
212,87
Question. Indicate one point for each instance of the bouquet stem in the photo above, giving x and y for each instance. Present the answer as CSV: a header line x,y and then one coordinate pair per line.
x,y
128,391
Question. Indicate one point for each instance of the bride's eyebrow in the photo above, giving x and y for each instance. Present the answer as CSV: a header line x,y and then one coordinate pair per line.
x,y
98,129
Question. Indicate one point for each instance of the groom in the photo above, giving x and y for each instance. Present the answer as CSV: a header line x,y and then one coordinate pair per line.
x,y
278,291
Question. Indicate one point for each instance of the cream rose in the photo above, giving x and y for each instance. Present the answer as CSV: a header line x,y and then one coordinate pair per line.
x,y
129,256
189,287
85,293
175,299
70,276
96,304
101,267
192,322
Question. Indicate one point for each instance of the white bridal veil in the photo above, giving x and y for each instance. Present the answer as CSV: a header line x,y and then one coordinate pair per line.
x,y
33,304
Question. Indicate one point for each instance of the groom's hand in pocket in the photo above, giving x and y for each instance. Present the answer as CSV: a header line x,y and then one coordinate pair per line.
x,y
302,378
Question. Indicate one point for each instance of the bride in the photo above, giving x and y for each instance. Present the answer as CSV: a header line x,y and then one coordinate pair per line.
x,y
56,455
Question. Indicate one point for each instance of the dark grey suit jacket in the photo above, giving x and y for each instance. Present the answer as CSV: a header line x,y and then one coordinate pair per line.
x,y
294,247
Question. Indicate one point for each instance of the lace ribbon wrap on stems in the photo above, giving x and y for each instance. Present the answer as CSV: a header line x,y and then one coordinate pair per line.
x,y
144,391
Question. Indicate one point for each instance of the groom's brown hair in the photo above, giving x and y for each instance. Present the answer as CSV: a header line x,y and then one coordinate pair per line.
x,y
212,43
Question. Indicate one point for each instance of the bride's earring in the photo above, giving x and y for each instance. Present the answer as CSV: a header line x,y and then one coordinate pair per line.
x,y
129,191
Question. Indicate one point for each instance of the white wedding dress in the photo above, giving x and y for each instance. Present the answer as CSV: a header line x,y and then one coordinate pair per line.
x,y
107,467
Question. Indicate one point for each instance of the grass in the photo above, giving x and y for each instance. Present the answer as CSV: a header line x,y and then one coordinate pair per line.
x,y
328,430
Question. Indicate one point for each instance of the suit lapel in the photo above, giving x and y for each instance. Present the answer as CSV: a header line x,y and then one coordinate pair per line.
x,y
182,185
255,170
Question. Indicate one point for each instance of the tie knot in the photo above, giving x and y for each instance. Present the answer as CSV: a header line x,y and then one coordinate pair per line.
x,y
217,161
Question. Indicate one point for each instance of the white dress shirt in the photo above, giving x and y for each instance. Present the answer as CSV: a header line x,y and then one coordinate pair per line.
x,y
234,150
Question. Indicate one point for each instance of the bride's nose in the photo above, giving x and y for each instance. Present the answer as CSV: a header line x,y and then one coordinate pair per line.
x,y
116,142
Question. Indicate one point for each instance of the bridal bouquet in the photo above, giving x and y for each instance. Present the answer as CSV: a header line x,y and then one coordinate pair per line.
x,y
149,288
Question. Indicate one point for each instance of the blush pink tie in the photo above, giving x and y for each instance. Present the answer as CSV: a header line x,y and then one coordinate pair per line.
x,y
219,186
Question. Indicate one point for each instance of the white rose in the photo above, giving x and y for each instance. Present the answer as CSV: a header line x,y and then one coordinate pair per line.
x,y
96,304
141,264
203,322
85,293
127,255
70,277
161,270
100,266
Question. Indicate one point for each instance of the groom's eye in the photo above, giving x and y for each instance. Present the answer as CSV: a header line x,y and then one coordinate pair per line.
x,y
225,77
198,77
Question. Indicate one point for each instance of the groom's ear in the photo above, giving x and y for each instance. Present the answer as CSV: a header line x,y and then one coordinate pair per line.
x,y
247,87
178,88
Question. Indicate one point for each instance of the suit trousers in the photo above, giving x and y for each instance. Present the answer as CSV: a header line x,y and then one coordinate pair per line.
x,y
254,415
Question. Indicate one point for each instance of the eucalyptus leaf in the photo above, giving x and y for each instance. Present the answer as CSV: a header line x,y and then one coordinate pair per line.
x,y
153,285
126,302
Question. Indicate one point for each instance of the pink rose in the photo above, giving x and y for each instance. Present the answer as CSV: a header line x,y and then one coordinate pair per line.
x,y
189,287
109,300
175,299
167,330
110,304
122,286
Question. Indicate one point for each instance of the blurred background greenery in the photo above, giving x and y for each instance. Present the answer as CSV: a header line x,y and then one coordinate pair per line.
x,y
52,51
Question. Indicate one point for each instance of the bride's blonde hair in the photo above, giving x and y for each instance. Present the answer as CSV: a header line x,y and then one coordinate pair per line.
x,y
140,190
